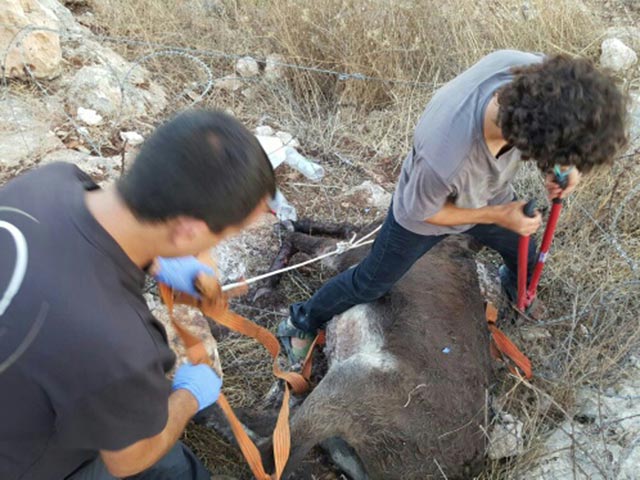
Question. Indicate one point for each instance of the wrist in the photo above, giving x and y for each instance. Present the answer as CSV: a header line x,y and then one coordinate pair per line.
x,y
491,214
186,400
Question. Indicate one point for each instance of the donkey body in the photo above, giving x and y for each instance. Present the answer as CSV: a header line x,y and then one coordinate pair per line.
x,y
408,374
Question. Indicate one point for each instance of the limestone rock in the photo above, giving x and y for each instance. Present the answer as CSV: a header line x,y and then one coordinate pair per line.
x,y
505,440
247,67
103,170
249,253
89,52
29,49
571,452
88,116
370,194
25,133
274,70
489,282
98,89
617,56
532,333
101,88
195,323
132,138
629,35
230,83
110,84
629,465
66,21
581,446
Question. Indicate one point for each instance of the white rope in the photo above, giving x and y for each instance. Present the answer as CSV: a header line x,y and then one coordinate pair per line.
x,y
341,247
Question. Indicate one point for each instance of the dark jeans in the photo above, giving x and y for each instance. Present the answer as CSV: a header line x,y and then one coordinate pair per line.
x,y
179,463
393,253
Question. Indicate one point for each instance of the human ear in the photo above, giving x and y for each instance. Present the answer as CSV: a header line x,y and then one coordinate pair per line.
x,y
185,232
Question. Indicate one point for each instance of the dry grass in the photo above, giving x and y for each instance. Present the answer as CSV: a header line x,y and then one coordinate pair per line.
x,y
361,129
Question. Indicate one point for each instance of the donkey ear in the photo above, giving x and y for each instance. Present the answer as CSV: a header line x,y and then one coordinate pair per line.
x,y
345,457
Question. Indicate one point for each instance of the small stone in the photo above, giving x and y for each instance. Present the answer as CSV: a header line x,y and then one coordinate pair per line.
x,y
371,194
629,35
529,12
249,93
247,67
132,138
274,70
617,56
230,83
535,333
89,116
505,440
264,130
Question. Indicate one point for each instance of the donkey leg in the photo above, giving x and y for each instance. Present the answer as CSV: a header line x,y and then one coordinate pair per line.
x,y
311,227
294,242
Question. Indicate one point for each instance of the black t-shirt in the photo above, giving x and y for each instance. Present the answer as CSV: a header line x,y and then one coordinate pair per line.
x,y
82,360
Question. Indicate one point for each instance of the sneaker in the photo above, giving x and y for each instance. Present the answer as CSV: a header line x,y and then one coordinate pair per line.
x,y
287,332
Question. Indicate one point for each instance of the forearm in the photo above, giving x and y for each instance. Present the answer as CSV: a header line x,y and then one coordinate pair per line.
x,y
144,453
451,215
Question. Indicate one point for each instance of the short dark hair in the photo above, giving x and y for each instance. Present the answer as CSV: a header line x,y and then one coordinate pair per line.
x,y
563,111
202,164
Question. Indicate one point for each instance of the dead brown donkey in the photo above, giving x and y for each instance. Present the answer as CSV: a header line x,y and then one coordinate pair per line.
x,y
408,374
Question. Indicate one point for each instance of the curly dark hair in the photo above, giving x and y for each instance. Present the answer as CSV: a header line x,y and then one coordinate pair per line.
x,y
563,111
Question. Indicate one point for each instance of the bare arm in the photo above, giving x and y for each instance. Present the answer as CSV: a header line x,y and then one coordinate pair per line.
x,y
509,216
144,453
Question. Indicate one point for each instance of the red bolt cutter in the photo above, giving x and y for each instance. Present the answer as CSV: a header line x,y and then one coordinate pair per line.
x,y
526,295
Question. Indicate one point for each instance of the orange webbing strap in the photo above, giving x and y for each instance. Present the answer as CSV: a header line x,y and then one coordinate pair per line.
x,y
504,349
214,304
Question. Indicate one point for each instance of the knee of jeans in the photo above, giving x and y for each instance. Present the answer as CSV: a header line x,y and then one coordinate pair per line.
x,y
369,294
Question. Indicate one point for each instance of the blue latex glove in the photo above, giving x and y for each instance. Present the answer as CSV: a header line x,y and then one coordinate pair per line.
x,y
181,273
203,383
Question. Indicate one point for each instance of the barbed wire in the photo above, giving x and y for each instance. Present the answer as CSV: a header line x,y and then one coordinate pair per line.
x,y
204,87
178,50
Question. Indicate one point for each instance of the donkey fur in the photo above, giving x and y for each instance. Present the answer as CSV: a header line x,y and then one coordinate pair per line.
x,y
409,409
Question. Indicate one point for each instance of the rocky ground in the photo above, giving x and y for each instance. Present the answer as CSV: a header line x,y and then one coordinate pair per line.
x,y
67,95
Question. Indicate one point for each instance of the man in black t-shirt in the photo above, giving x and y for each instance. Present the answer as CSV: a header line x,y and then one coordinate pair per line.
x,y
83,391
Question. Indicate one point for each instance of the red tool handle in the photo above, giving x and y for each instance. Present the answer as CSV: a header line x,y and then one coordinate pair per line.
x,y
527,295
544,248
523,258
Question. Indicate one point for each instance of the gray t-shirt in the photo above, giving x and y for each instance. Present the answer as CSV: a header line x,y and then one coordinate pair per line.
x,y
450,159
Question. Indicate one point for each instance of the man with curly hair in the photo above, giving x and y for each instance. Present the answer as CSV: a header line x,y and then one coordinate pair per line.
x,y
469,143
